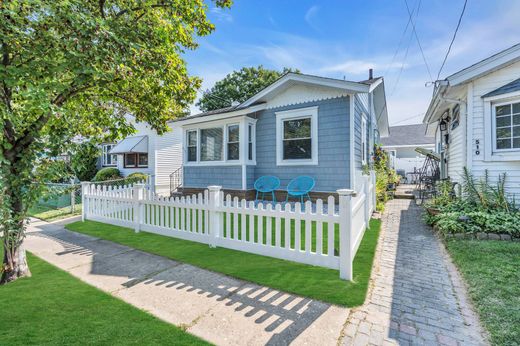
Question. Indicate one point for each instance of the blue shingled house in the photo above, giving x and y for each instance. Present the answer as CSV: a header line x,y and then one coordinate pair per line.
x,y
299,125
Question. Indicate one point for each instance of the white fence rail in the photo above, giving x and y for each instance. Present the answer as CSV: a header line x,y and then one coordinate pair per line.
x,y
317,234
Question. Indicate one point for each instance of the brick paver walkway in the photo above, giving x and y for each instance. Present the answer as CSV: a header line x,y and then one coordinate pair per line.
x,y
416,295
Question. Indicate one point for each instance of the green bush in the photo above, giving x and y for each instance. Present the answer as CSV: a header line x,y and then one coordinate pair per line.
x,y
83,160
136,177
107,173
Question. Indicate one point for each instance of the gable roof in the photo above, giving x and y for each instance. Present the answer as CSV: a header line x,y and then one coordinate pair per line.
x,y
407,135
505,89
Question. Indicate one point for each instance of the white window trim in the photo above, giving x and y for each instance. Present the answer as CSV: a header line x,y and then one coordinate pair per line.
x,y
186,138
228,142
253,140
490,151
299,113
224,123
105,155
494,127
364,149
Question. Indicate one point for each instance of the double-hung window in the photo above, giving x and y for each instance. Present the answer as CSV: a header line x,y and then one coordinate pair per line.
x,y
233,142
250,130
108,159
507,126
297,136
211,144
191,139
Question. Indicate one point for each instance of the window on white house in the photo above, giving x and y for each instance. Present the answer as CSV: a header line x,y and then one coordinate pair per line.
x,y
211,144
109,159
233,142
192,145
364,145
134,160
507,126
297,139
250,142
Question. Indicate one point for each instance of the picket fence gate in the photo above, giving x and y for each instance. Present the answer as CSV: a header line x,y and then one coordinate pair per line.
x,y
326,235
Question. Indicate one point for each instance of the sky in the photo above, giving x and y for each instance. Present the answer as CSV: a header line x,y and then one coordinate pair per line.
x,y
343,39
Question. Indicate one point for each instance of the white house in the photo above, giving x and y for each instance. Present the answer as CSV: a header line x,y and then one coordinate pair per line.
x,y
147,152
475,117
401,143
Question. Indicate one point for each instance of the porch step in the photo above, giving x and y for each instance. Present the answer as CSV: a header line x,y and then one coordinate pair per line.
x,y
404,192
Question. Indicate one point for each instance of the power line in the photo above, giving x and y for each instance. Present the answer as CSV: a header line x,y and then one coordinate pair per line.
x,y
410,118
453,38
417,38
398,46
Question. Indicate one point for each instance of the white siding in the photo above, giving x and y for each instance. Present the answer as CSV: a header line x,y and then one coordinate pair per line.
x,y
168,158
457,147
482,86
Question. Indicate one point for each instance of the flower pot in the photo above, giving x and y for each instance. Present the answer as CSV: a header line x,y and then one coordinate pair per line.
x,y
433,211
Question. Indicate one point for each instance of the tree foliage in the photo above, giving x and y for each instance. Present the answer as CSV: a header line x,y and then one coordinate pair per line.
x,y
239,86
83,160
77,67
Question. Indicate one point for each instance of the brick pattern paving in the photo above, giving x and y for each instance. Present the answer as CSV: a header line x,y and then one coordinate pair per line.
x,y
416,295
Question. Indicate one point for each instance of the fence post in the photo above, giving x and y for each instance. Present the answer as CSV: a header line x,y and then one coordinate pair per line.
x,y
214,215
345,234
85,189
368,199
138,195
373,196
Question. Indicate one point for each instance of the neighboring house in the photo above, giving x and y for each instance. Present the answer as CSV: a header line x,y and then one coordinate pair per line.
x,y
475,117
401,144
299,125
146,152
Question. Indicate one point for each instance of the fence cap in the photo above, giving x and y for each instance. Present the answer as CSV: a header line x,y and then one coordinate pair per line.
x,y
214,188
346,192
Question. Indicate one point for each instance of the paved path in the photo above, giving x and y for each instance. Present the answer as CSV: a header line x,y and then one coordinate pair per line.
x,y
415,296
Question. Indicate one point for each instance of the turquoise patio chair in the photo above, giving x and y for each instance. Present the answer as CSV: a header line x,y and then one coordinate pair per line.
x,y
300,187
266,184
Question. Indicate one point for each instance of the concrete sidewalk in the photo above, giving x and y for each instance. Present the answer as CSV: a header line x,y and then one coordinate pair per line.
x,y
212,306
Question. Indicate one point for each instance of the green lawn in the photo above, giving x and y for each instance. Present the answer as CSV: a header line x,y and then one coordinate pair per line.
x,y
310,281
51,214
492,271
54,308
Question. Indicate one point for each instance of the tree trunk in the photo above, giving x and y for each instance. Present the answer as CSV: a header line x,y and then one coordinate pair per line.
x,y
14,265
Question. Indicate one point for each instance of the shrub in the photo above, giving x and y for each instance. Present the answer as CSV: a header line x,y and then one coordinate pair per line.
x,y
136,177
107,173
384,176
84,157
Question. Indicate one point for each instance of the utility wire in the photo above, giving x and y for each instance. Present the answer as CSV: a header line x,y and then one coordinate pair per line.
x,y
453,38
409,118
398,45
417,37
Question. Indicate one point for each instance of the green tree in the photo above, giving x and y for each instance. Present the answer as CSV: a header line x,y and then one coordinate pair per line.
x,y
83,160
239,86
73,68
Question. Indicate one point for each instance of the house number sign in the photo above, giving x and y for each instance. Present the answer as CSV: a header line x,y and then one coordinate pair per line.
x,y
477,143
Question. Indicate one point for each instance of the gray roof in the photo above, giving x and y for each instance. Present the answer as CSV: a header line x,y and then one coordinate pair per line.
x,y
407,135
505,89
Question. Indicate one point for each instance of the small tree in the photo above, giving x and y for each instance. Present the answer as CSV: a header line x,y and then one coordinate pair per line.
x,y
83,160
239,86
73,68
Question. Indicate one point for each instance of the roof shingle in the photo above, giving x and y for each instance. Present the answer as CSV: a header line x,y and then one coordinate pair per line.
x,y
407,135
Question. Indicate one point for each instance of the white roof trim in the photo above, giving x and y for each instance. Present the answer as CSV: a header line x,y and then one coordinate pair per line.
x,y
321,81
505,57
137,144
219,116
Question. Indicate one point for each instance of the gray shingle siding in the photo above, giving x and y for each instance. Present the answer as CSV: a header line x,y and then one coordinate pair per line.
x,y
332,171
230,177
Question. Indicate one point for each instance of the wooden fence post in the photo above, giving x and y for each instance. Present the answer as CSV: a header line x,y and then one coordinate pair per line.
x,y
345,234
85,189
138,195
214,215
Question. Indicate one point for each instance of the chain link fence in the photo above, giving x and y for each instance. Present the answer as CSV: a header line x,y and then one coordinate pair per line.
x,y
58,200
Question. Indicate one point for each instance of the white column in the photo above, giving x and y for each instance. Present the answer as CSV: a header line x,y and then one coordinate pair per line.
x,y
368,198
345,234
85,189
138,195
215,216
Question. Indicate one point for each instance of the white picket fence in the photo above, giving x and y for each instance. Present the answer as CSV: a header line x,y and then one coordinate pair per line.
x,y
326,235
